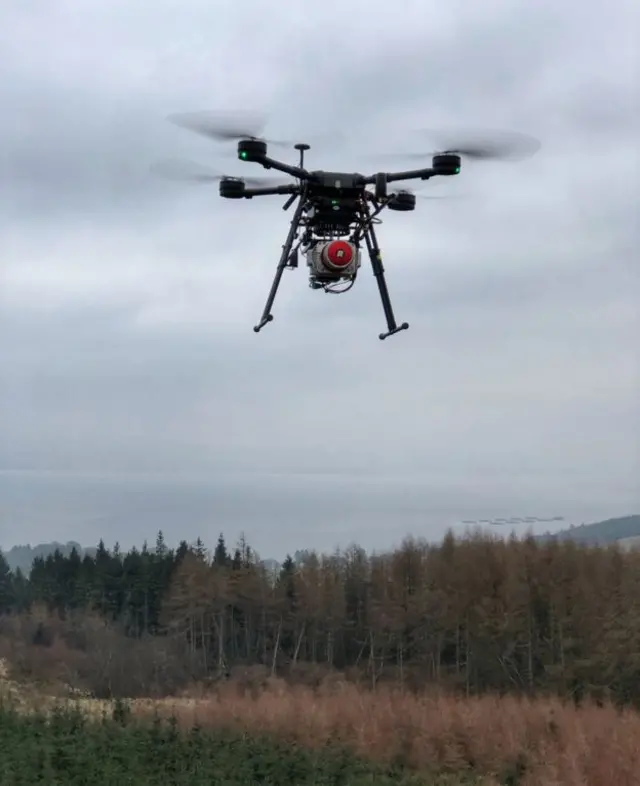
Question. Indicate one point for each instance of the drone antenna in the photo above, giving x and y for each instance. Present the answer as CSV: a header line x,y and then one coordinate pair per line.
x,y
301,146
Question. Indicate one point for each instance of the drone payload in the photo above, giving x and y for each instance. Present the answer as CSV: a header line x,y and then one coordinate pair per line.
x,y
331,261
336,212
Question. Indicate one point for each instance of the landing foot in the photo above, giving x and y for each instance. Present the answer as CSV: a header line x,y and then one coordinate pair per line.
x,y
403,326
263,322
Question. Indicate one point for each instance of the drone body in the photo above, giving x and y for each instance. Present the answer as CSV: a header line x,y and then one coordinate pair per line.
x,y
335,214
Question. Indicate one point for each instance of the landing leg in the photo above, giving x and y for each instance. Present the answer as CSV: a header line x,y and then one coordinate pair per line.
x,y
267,316
378,272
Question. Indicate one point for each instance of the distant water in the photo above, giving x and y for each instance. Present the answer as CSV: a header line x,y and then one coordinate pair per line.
x,y
277,513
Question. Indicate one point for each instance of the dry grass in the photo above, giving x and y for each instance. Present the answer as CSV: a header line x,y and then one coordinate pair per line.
x,y
506,740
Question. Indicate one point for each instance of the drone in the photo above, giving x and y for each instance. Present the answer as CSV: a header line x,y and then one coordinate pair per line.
x,y
335,213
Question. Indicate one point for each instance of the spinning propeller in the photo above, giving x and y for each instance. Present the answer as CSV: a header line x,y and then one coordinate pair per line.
x,y
192,172
483,144
226,126
233,126
427,185
446,197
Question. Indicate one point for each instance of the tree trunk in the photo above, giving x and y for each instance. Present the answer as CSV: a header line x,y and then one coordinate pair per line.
x,y
298,645
203,644
275,649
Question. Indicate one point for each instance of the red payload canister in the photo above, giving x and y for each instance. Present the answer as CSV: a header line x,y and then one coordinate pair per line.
x,y
338,254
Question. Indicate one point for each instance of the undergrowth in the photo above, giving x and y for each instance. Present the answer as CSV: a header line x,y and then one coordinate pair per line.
x,y
66,748
290,735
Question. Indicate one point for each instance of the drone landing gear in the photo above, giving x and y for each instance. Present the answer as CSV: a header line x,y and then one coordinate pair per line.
x,y
284,262
263,321
288,258
378,272
397,329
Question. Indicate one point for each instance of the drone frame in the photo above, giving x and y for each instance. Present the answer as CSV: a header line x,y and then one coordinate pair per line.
x,y
370,205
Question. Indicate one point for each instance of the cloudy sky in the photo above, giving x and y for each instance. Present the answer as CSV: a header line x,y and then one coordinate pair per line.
x,y
133,391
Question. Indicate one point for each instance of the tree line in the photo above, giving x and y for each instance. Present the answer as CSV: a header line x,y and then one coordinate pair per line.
x,y
471,614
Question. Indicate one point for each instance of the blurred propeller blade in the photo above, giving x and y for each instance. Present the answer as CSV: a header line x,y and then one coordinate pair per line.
x,y
482,144
190,171
441,196
176,169
432,196
225,126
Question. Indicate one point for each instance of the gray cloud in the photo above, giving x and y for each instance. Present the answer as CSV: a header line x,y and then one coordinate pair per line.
x,y
126,303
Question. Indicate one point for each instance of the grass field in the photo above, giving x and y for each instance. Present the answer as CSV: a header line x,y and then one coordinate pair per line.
x,y
342,735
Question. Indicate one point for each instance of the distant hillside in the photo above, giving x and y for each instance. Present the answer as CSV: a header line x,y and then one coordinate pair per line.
x,y
630,543
22,556
625,529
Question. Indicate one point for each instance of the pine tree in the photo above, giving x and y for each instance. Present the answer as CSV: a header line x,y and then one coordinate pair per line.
x,y
475,614
200,550
21,592
7,589
161,546
220,554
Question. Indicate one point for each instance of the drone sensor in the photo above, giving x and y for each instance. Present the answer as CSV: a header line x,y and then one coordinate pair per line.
x,y
337,254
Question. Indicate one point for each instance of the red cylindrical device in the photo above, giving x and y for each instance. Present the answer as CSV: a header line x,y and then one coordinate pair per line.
x,y
338,254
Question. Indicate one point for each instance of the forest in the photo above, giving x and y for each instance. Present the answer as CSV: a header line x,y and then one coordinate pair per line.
x,y
473,615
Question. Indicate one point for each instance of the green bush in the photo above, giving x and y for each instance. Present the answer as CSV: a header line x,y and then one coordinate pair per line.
x,y
67,749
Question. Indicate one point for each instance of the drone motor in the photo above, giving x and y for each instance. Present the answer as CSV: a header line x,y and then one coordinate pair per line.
x,y
252,150
232,188
402,202
447,164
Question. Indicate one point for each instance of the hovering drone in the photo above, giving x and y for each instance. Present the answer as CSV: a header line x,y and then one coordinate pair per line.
x,y
336,212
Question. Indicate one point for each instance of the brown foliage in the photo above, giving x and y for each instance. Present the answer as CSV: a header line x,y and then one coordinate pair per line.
x,y
530,742
474,617
88,654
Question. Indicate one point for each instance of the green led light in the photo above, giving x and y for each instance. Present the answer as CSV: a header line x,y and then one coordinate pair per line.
x,y
243,155
457,170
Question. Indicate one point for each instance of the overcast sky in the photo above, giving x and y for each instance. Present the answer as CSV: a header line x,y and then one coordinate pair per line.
x,y
127,355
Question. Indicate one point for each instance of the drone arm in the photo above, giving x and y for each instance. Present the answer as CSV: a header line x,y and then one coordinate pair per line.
x,y
249,193
412,174
294,171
